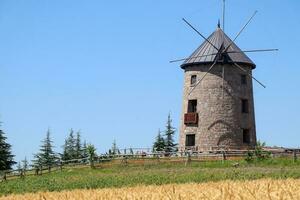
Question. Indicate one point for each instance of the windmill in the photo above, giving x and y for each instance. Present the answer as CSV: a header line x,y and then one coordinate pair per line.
x,y
218,105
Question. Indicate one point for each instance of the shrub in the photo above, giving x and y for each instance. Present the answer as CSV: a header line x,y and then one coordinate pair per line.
x,y
259,154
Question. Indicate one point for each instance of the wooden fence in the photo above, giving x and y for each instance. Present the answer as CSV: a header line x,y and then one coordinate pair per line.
x,y
145,155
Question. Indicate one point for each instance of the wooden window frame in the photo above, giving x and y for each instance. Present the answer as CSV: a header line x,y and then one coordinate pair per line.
x,y
193,136
193,79
192,108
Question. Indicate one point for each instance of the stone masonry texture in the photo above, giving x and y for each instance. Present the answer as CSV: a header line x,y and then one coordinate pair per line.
x,y
221,121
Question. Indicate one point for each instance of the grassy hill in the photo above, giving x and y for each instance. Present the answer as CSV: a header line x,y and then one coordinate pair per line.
x,y
151,173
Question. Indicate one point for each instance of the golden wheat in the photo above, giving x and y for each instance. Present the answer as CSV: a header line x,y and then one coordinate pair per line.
x,y
244,190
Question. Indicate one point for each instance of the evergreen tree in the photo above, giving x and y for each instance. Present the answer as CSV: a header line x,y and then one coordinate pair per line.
x,y
71,145
84,150
36,162
6,157
78,148
25,165
19,167
46,156
170,146
159,144
69,151
131,151
114,148
65,155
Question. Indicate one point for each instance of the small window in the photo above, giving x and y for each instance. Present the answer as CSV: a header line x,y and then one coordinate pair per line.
x,y
192,106
244,79
246,136
245,106
190,140
193,79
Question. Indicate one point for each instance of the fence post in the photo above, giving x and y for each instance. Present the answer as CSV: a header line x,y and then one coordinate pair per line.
x,y
223,156
60,166
188,159
124,160
36,171
157,158
294,156
21,173
4,176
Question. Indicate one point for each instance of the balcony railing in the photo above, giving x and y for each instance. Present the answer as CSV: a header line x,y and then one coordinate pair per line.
x,y
191,118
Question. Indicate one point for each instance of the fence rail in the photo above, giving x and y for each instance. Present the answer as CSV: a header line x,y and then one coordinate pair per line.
x,y
147,155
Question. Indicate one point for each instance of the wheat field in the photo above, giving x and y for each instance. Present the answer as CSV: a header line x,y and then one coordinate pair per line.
x,y
244,190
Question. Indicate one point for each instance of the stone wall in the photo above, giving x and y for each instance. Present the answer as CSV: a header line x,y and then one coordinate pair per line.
x,y
221,121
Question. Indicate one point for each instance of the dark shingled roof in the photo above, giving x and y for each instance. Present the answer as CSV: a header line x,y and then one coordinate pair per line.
x,y
217,38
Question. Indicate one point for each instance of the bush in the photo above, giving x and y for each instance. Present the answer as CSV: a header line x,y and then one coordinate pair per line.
x,y
249,156
259,154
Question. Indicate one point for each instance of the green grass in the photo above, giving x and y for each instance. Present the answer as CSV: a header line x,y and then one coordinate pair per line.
x,y
151,173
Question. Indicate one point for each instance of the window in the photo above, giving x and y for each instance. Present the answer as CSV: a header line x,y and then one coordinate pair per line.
x,y
190,140
192,106
245,106
193,79
246,136
243,79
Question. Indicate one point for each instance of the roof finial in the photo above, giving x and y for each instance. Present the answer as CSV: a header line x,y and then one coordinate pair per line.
x,y
219,25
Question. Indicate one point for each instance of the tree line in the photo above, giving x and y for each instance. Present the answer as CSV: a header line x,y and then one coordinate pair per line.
x,y
75,149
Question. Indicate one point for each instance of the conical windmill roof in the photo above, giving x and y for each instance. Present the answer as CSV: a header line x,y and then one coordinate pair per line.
x,y
217,38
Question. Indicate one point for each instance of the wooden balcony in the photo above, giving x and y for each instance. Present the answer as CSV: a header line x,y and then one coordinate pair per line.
x,y
191,118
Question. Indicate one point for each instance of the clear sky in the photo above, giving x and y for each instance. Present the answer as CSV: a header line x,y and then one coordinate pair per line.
x,y
102,67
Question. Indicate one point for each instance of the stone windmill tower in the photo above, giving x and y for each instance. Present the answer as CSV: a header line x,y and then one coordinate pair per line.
x,y
218,104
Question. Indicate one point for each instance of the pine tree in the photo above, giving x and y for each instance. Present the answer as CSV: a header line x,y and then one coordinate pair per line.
x,y
19,167
170,146
71,145
114,148
46,156
84,150
65,155
131,151
78,148
6,157
159,144
36,162
69,151
25,165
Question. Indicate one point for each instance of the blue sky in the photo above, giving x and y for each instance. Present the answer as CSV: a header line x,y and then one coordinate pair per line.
x,y
102,67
